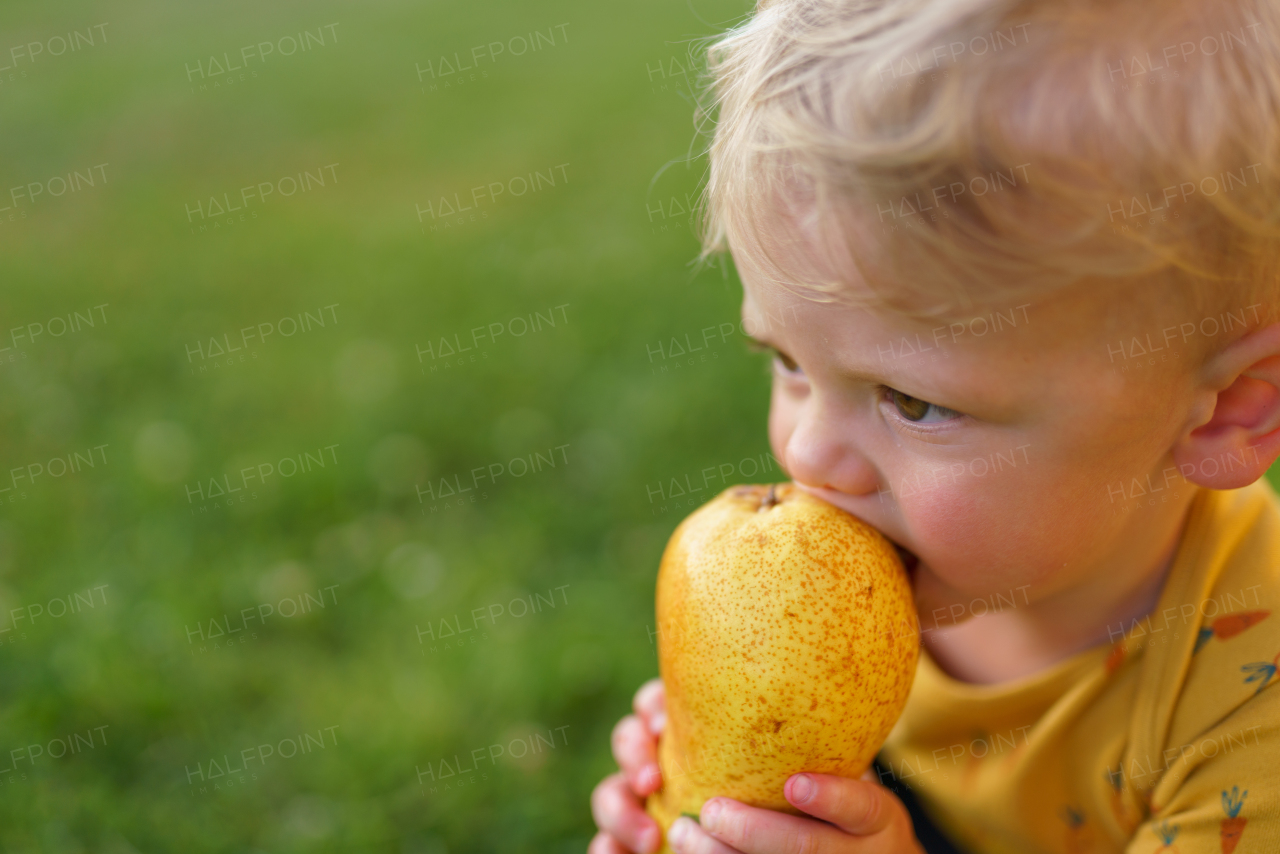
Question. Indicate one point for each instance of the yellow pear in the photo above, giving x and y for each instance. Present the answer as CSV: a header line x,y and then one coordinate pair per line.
x,y
787,642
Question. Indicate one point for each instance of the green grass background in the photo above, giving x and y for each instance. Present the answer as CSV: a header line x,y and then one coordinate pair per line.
x,y
357,664
605,245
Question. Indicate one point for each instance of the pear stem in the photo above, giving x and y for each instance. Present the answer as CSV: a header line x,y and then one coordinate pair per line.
x,y
770,499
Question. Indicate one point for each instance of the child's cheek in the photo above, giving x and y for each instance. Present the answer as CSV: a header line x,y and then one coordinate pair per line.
x,y
973,538
944,519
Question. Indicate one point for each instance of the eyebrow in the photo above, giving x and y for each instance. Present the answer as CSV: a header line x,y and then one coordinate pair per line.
x,y
853,374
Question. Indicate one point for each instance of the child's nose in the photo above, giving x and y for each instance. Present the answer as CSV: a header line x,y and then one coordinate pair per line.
x,y
823,451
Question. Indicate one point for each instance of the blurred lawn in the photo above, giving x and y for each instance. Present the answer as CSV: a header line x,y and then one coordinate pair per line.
x,y
166,710
604,245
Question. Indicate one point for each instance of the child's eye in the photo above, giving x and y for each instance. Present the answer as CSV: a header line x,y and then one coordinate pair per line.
x,y
919,411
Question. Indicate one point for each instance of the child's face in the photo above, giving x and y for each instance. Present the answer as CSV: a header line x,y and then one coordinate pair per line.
x,y
1003,459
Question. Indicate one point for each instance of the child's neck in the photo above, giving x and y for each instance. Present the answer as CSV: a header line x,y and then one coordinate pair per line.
x,y
1019,642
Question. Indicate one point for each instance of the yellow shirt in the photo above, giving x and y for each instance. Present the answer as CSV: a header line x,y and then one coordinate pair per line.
x,y
1166,740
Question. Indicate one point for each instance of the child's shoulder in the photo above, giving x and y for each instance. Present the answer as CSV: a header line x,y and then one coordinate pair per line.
x,y
1236,560
1230,604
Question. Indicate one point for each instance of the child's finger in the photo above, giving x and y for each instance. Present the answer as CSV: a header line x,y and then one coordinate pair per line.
x,y
650,704
752,830
603,843
858,807
617,811
686,837
636,751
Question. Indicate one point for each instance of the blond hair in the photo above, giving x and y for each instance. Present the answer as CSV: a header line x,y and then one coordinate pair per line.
x,y
964,152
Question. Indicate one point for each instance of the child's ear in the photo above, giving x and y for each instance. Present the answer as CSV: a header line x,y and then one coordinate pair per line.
x,y
1242,439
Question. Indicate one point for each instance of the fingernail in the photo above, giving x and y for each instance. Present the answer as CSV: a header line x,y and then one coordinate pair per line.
x,y
710,814
801,788
656,722
679,832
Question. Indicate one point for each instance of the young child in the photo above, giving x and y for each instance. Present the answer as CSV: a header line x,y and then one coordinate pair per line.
x,y
1019,264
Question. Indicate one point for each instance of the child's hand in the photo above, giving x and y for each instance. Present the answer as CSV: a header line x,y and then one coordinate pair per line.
x,y
856,816
618,801
864,817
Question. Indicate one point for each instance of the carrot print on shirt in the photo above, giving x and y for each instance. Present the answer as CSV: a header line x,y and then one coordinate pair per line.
x,y
1078,835
1115,658
1167,834
1260,672
1118,806
1233,824
1225,628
